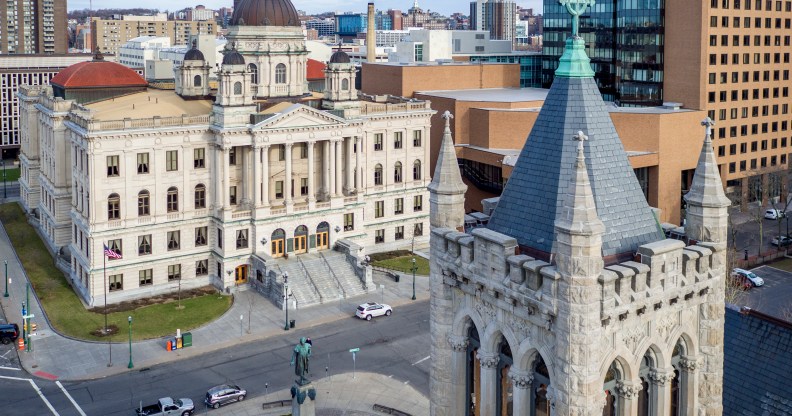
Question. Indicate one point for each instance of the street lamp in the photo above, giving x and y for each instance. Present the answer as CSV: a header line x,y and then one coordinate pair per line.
x,y
2,163
414,268
130,343
6,278
286,298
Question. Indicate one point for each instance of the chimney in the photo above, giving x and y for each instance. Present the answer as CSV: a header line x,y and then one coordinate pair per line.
x,y
371,37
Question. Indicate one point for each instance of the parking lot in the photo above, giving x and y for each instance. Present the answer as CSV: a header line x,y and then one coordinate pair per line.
x,y
775,297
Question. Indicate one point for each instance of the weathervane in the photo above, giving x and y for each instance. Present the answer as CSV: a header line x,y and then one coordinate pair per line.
x,y
576,8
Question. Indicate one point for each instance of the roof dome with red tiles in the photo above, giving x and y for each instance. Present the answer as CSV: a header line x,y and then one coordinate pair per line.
x,y
265,13
97,73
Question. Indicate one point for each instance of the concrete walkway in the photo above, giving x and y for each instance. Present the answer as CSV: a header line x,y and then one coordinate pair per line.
x,y
260,320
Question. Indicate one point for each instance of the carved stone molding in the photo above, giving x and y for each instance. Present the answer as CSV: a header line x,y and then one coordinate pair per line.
x,y
628,391
458,343
486,310
688,364
661,378
521,380
488,360
633,336
665,325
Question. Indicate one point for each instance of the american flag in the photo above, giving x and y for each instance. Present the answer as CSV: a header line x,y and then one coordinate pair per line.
x,y
111,254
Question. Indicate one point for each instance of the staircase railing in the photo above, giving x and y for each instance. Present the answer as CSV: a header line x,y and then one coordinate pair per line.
x,y
338,282
361,273
310,280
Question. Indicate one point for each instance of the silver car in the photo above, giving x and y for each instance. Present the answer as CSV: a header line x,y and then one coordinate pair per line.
x,y
224,394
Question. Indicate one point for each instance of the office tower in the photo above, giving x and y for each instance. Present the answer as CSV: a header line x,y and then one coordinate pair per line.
x,y
496,16
33,26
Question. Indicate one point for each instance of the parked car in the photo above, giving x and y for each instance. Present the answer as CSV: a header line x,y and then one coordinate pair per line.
x,y
9,333
781,241
748,276
224,394
774,214
369,310
167,407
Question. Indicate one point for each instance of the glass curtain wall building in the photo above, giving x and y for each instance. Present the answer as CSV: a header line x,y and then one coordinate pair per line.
x,y
624,39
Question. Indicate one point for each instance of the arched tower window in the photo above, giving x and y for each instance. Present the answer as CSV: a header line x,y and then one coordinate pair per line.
x,y
417,170
345,84
237,88
280,74
253,69
197,81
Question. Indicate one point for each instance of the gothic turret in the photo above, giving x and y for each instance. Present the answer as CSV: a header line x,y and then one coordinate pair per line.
x,y
447,191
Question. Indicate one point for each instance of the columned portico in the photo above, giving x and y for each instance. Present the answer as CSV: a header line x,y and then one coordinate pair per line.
x,y
287,184
338,168
311,174
489,382
350,169
358,165
265,175
256,153
331,162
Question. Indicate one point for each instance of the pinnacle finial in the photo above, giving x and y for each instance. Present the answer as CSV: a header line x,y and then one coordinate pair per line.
x,y
708,123
580,137
447,116
576,8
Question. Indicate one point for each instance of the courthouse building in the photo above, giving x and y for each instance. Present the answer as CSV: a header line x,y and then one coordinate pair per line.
x,y
198,187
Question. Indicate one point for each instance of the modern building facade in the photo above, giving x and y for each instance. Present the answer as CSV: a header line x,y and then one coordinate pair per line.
x,y
498,17
33,26
110,35
206,189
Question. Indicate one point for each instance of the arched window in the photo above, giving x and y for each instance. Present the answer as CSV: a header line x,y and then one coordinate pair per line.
x,y
277,241
613,378
173,199
114,207
144,203
417,170
280,74
345,84
197,81
378,174
473,372
237,88
253,69
505,388
200,196
397,172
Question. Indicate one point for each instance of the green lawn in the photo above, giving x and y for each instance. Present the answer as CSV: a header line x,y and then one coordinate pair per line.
x,y
404,264
11,175
68,315
785,264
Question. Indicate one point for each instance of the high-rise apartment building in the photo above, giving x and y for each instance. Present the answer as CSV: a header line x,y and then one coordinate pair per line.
x,y
730,58
110,35
33,26
496,16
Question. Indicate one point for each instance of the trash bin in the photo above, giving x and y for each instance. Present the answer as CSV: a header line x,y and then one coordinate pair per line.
x,y
187,339
173,343
179,343
291,323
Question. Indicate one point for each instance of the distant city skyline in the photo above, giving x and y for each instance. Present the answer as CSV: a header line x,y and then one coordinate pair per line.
x,y
445,7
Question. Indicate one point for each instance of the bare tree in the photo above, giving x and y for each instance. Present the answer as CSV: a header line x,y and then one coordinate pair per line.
x,y
734,293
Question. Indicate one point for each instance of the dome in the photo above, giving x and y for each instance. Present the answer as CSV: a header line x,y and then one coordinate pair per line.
x,y
339,57
194,54
265,13
97,73
233,57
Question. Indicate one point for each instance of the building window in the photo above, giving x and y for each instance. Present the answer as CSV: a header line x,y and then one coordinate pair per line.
x,y
378,138
112,166
280,74
242,239
232,195
349,222
398,206
281,153
278,189
197,81
114,207
232,159
199,158
174,272
173,199
417,203
397,172
417,170
200,196
418,230
378,174
144,245
237,88
174,239
345,84
201,236
397,140
379,209
115,282
399,233
144,206
379,236
303,150
142,163
219,237
253,69
202,267
303,186
146,277
417,138
171,160
418,52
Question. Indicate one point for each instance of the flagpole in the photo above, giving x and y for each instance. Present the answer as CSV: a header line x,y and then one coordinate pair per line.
x,y
104,273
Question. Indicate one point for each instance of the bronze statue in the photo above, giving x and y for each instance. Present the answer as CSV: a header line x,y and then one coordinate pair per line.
x,y
300,358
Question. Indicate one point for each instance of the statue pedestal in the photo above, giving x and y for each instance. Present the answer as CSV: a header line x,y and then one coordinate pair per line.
x,y
303,400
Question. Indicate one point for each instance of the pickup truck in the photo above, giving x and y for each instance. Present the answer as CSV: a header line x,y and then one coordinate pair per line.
x,y
167,407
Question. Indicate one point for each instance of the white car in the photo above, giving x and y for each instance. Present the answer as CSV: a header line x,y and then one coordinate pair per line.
x,y
755,280
774,214
369,310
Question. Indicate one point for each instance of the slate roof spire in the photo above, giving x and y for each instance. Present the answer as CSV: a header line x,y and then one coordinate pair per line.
x,y
580,212
534,195
447,191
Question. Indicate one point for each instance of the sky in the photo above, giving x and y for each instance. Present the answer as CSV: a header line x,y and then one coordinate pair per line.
x,y
445,7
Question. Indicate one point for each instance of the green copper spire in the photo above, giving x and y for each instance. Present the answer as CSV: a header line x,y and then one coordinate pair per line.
x,y
574,63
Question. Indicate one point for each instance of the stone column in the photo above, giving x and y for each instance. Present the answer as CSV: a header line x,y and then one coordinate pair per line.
x,y
350,168
244,189
339,168
326,168
661,389
331,173
217,169
521,383
265,175
226,180
256,156
489,382
687,385
628,395
287,183
311,174
458,373
358,165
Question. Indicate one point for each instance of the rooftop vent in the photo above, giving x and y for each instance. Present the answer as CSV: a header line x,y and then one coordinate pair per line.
x,y
672,106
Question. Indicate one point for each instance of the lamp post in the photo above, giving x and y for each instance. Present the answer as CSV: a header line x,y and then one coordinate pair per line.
x,y
6,278
130,342
5,194
286,298
414,268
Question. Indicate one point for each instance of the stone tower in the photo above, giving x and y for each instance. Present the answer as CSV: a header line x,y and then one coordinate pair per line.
x,y
572,301
192,77
234,102
447,191
340,92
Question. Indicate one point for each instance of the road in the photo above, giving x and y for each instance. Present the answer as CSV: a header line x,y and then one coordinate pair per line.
x,y
396,346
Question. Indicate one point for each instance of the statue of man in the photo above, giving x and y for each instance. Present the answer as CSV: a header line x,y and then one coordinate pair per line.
x,y
300,357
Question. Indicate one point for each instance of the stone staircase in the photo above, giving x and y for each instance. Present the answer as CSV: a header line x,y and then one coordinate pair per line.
x,y
321,277
345,273
299,283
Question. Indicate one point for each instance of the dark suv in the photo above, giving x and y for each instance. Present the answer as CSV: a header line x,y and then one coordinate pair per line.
x,y
9,333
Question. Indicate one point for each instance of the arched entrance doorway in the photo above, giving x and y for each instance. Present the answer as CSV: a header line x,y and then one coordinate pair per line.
x,y
278,242
323,236
473,379
301,239
241,274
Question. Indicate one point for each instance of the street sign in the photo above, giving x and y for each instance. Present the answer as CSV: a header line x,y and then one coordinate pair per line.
x,y
354,350
31,316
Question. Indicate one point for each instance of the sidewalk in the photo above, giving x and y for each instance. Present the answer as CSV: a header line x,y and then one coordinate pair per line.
x,y
88,360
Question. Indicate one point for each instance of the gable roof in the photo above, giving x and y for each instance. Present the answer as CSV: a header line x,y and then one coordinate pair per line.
x,y
299,115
